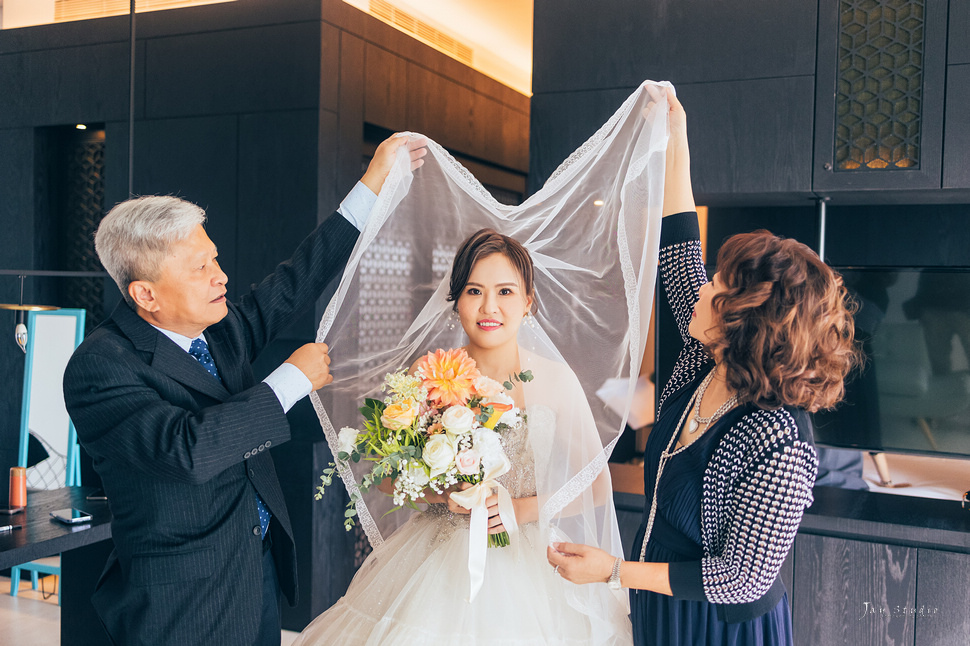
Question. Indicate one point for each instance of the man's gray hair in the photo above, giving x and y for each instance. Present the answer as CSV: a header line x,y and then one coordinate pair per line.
x,y
135,236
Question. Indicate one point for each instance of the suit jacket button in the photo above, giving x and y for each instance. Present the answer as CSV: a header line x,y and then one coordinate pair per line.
x,y
248,455
262,447
255,450
257,531
269,443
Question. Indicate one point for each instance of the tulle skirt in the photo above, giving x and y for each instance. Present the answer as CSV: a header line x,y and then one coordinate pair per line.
x,y
413,589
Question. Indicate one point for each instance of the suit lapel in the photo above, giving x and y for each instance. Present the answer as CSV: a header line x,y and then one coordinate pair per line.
x,y
167,357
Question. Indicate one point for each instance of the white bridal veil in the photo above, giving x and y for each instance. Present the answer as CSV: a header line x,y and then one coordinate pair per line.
x,y
593,233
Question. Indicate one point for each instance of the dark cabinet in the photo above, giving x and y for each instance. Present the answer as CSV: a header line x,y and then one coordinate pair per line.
x,y
861,100
879,95
853,592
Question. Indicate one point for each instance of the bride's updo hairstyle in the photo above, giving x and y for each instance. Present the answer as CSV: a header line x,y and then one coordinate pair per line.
x,y
784,323
481,244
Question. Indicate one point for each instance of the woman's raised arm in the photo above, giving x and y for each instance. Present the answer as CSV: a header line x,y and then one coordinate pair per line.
x,y
678,194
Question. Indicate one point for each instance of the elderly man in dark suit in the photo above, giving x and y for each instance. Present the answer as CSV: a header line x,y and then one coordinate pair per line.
x,y
164,399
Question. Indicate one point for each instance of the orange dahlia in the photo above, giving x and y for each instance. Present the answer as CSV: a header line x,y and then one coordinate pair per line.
x,y
449,376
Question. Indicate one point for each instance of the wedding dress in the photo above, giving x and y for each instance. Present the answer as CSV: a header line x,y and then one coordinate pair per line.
x,y
412,589
593,234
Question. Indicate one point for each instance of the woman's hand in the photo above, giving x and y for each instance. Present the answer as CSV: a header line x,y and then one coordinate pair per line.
x,y
580,563
678,193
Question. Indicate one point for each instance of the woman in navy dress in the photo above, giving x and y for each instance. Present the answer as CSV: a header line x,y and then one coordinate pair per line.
x,y
730,464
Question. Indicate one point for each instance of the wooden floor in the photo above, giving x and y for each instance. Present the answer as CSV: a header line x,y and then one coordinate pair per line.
x,y
28,618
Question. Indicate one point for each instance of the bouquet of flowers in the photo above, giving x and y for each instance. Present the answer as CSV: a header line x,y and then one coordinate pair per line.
x,y
435,429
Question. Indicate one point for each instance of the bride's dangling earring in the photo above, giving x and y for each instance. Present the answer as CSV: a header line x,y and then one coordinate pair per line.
x,y
531,322
453,320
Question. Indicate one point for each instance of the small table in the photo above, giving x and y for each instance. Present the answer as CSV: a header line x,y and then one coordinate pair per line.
x,y
83,548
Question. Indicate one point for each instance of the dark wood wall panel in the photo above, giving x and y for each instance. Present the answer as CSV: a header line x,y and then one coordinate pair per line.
x,y
959,33
277,196
581,45
350,113
956,134
328,140
64,85
838,578
329,67
195,159
371,30
115,162
234,71
17,201
943,599
386,89
750,136
458,118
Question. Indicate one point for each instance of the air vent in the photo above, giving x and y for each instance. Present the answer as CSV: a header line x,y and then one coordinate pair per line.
x,y
421,30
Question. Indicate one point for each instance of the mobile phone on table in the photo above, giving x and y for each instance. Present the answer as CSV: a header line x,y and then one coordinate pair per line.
x,y
71,516
10,511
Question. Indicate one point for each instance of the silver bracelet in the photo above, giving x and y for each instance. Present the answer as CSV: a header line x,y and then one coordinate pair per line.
x,y
614,581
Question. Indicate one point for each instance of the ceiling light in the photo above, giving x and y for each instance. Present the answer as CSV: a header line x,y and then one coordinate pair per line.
x,y
81,126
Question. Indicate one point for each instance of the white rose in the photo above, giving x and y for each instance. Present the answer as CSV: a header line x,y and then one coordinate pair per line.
x,y
347,440
458,420
418,473
438,454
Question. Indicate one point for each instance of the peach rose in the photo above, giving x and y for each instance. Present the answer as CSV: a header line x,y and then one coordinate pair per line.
x,y
400,415
486,387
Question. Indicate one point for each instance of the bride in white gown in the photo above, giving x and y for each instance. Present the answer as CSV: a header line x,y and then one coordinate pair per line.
x,y
592,233
412,589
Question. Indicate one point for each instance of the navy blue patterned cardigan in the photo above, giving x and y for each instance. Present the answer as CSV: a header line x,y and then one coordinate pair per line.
x,y
759,479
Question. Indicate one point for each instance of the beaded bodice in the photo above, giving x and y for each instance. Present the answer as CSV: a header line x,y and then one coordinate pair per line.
x,y
521,478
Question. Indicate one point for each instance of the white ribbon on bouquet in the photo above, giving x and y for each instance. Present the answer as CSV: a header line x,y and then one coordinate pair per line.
x,y
474,498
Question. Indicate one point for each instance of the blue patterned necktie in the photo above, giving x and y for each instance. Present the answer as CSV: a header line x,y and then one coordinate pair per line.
x,y
200,350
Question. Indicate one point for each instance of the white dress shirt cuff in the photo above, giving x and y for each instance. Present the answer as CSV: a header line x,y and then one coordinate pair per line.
x,y
289,384
357,206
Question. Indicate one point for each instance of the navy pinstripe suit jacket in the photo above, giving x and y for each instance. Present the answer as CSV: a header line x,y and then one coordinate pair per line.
x,y
180,455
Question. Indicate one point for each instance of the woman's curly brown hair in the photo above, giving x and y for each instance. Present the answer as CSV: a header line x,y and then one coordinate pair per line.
x,y
784,323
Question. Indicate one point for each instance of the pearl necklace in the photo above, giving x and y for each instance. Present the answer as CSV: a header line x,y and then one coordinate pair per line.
x,y
695,399
697,420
